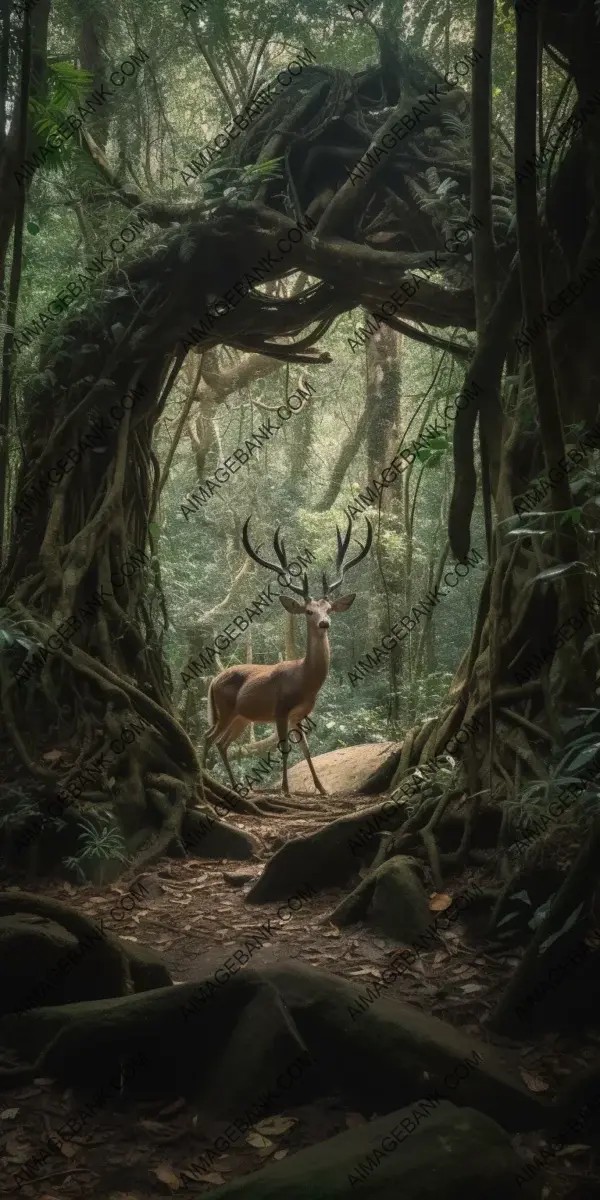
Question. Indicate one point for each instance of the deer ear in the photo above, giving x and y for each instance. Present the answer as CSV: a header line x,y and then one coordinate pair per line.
x,y
291,605
343,602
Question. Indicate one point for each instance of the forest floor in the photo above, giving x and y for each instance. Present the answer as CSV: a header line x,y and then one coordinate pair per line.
x,y
194,913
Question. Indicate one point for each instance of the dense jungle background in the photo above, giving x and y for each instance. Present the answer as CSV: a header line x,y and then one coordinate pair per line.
x,y
315,288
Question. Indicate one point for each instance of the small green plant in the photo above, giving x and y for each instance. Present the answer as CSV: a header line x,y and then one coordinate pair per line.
x,y
238,183
100,843
19,811
12,636
565,770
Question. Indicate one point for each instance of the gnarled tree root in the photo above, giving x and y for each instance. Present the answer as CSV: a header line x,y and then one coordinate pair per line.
x,y
111,958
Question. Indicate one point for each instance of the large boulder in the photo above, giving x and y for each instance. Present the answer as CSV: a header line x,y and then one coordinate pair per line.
x,y
416,1153
342,770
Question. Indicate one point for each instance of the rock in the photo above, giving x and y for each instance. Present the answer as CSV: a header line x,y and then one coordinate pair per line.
x,y
327,858
399,906
391,899
449,1154
42,964
219,841
148,969
345,769
30,952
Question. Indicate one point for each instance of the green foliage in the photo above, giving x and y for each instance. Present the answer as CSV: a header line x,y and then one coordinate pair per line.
x,y
17,809
239,183
67,87
12,636
567,764
101,842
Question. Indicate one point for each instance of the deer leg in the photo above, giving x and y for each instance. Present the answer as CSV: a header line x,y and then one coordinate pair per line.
x,y
223,752
207,746
282,731
224,739
306,752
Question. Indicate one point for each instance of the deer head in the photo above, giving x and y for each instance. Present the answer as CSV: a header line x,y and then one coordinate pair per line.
x,y
316,611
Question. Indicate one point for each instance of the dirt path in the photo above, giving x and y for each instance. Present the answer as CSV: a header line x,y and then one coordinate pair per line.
x,y
194,913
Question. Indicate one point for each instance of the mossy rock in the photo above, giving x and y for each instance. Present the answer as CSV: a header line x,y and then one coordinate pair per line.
x,y
447,1153
43,964
220,840
391,899
399,906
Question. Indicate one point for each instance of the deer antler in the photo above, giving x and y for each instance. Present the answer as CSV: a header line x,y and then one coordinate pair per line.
x,y
279,548
342,547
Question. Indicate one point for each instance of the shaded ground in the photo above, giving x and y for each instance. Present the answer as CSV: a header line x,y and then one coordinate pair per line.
x,y
194,911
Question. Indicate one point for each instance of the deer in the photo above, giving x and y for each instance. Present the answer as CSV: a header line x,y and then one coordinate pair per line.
x,y
284,693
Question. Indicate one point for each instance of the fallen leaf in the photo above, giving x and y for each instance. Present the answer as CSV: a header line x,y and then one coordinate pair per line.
x,y
473,987
68,1149
275,1125
9,1114
332,933
353,1119
153,1126
172,1108
166,1175
257,1140
212,1177
17,1150
439,902
534,1083
578,1148
279,1154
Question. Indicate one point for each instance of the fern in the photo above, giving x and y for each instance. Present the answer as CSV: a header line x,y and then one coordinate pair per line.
x,y
452,124
69,83
432,178
418,193
66,86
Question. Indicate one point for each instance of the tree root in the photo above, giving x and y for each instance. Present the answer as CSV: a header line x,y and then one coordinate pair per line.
x,y
268,804
113,963
427,833
173,817
536,731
